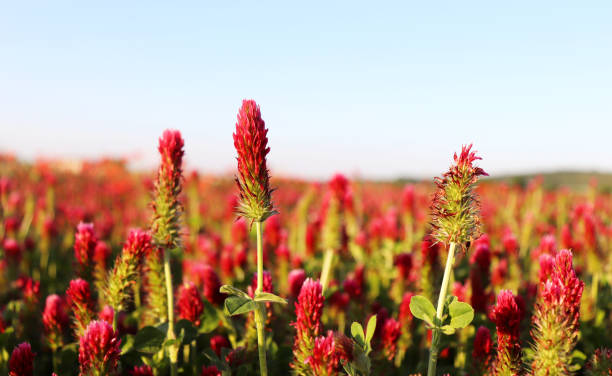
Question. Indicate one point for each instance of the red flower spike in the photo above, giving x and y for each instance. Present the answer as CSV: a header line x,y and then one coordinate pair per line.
x,y
296,280
81,303
85,242
507,316
390,334
21,362
55,320
219,342
308,311
482,350
99,350
253,180
454,207
189,303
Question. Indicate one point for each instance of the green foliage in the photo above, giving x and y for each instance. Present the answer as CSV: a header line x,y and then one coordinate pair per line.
x,y
362,347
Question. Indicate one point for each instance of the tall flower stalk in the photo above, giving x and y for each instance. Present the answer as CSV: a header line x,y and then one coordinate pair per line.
x,y
255,198
455,222
166,220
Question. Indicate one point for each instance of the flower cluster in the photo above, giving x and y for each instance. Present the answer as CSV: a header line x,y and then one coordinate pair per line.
x,y
21,362
507,316
189,303
556,315
166,205
99,350
85,242
126,269
454,206
251,143
308,311
55,320
81,304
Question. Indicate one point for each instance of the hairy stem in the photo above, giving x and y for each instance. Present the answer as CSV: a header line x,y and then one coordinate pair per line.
x,y
435,342
260,311
172,350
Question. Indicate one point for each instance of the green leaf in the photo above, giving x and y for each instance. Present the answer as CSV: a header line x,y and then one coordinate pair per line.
x,y
348,367
149,340
370,329
357,332
422,308
231,290
236,305
209,321
187,330
461,314
447,329
268,297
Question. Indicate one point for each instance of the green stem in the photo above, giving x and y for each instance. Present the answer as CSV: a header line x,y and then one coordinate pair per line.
x,y
327,266
435,341
173,349
260,311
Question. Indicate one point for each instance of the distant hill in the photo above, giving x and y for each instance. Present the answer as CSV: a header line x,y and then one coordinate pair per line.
x,y
575,180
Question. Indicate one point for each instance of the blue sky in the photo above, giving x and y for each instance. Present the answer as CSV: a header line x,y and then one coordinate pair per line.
x,y
369,88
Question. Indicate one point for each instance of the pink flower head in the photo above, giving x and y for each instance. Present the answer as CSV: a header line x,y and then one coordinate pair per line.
x,y
567,285
21,362
296,280
189,303
211,285
253,180
137,245
405,315
390,334
454,207
507,316
547,263
107,314
460,291
219,342
408,199
210,371
339,186
30,289
141,371
171,149
12,250
481,258
510,243
99,350
326,357
403,261
85,242
79,294
267,283
482,350
101,254
308,310
55,319
81,303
